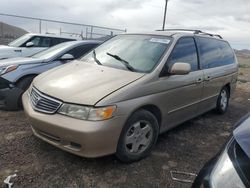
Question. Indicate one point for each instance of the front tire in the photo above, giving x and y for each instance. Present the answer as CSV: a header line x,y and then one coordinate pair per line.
x,y
23,85
138,137
223,101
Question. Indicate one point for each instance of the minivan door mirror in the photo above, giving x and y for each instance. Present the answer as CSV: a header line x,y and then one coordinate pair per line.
x,y
67,57
29,44
180,69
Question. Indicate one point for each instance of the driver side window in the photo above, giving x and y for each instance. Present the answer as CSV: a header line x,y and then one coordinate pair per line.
x,y
35,41
184,52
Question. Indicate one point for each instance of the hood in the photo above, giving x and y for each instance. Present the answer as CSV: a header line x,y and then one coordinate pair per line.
x,y
5,47
242,134
7,51
19,61
83,83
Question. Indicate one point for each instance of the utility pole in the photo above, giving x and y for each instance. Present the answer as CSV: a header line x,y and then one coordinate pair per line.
x,y
165,12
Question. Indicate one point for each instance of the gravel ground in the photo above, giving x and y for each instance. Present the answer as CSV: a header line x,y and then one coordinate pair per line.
x,y
185,148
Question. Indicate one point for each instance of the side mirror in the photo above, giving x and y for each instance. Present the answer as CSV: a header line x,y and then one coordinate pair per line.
x,y
180,69
67,57
29,44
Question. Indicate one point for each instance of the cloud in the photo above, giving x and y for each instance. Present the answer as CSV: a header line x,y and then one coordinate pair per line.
x,y
229,18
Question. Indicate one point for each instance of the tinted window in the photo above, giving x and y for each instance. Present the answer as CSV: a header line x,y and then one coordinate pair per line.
x,y
81,50
184,51
214,53
56,41
45,42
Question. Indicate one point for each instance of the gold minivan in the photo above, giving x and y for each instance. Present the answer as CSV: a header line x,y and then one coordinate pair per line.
x,y
123,94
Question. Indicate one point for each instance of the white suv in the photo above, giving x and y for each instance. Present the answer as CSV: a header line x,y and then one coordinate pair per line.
x,y
30,44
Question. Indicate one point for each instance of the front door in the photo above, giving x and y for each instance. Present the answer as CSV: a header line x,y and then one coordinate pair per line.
x,y
182,92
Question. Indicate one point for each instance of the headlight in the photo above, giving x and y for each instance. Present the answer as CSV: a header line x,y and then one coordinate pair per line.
x,y
87,113
224,174
4,70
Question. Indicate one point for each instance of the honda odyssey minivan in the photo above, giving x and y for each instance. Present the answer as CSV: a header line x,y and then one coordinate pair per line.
x,y
119,97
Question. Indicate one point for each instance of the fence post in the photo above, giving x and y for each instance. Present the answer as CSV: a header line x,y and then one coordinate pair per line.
x,y
86,32
91,31
40,26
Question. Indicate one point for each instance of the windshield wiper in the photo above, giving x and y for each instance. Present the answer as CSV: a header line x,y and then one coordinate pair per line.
x,y
95,58
124,62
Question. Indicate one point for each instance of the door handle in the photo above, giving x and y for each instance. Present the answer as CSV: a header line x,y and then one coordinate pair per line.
x,y
17,50
207,78
199,80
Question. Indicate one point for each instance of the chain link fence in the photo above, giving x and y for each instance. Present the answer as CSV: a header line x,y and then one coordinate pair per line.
x,y
77,30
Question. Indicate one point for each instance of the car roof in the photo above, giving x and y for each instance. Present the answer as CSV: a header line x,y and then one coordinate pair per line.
x,y
50,35
180,33
71,44
84,42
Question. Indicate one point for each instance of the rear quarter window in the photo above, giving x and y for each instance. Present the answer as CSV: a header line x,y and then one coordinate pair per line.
x,y
214,53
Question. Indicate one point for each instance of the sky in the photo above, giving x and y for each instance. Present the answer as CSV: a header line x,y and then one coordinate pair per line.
x,y
229,18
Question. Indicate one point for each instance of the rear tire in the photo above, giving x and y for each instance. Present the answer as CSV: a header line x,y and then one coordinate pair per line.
x,y
223,101
138,137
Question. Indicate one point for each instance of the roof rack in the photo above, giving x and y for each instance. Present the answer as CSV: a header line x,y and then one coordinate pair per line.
x,y
194,32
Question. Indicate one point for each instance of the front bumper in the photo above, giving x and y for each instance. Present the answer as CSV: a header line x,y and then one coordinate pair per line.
x,y
83,138
9,96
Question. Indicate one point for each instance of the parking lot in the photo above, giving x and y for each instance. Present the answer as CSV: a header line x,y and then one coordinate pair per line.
x,y
185,148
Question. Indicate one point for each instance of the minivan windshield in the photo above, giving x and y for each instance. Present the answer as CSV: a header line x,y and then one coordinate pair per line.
x,y
138,53
53,51
20,41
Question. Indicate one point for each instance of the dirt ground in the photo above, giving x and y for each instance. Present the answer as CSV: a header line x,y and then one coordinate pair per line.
x,y
185,148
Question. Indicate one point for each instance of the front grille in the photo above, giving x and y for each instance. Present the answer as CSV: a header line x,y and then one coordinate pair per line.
x,y
43,103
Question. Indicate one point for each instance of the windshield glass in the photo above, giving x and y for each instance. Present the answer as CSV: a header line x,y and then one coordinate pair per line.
x,y
20,41
140,52
51,52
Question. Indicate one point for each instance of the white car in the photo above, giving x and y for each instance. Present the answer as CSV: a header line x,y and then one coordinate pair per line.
x,y
30,44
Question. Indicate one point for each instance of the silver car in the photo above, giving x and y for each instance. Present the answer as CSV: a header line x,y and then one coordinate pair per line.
x,y
16,74
122,95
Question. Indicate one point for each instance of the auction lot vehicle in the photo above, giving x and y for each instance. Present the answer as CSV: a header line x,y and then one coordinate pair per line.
x,y
30,44
16,74
229,168
120,96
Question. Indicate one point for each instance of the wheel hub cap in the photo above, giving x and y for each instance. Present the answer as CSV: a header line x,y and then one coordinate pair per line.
x,y
224,100
138,137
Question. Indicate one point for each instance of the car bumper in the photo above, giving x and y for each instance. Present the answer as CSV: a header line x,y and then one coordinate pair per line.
x,y
84,138
9,98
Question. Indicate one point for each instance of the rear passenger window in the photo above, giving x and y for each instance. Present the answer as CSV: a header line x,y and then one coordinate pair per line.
x,y
214,53
56,41
185,52
45,42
